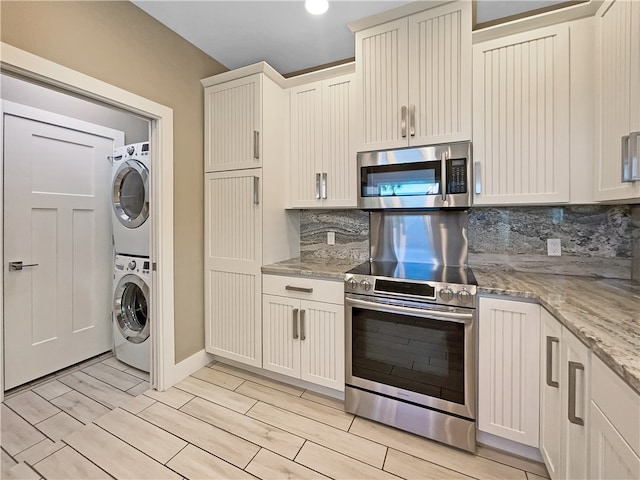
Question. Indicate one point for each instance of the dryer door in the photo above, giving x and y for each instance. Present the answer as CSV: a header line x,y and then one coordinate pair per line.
x,y
130,306
131,193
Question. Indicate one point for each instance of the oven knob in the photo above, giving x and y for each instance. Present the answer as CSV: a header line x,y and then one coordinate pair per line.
x,y
132,265
464,296
366,285
446,294
353,284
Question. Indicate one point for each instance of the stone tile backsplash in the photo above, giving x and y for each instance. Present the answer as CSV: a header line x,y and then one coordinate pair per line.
x,y
597,240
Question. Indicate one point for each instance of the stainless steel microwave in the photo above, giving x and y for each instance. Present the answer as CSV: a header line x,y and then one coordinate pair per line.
x,y
434,176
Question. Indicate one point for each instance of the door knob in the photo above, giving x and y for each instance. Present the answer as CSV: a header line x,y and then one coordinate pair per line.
x,y
14,266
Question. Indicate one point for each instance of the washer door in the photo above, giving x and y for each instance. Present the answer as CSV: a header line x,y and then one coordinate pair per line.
x,y
131,194
130,306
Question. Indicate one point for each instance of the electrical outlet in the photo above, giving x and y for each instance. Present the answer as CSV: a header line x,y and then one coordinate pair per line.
x,y
331,238
554,248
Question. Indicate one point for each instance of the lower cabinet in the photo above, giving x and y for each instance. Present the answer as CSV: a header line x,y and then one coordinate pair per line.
x,y
564,401
614,451
303,336
508,366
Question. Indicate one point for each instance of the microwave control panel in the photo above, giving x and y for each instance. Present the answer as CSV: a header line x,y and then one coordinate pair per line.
x,y
457,175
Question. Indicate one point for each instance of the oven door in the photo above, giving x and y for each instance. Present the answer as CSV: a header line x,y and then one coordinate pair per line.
x,y
417,353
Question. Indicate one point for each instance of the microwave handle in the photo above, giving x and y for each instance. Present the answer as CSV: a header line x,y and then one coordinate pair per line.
x,y
477,176
443,175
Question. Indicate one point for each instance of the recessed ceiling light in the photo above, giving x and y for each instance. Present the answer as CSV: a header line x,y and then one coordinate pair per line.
x,y
316,7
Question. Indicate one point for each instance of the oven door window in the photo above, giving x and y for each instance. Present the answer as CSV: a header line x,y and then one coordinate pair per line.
x,y
416,354
406,179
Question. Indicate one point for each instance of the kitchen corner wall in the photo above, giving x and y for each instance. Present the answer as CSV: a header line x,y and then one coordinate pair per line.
x,y
597,240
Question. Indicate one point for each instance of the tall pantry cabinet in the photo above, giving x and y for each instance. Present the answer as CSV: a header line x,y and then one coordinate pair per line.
x,y
245,221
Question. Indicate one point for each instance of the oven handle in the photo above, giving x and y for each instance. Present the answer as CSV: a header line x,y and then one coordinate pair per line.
x,y
433,314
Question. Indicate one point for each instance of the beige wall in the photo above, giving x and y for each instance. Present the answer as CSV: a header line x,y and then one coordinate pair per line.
x,y
118,43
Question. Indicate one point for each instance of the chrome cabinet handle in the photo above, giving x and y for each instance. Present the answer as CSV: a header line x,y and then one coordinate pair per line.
x,y
317,186
256,144
412,120
324,186
573,367
17,266
256,190
302,336
443,175
293,288
295,323
630,170
550,342
477,176
403,121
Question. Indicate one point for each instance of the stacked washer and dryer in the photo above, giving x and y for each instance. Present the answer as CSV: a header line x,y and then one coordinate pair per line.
x,y
131,286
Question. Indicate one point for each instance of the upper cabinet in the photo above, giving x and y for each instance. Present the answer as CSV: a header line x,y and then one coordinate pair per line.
x,y
322,160
521,106
618,113
413,79
233,122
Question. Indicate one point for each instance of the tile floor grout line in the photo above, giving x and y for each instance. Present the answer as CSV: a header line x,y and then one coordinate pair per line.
x,y
433,463
176,454
86,396
88,460
110,384
32,425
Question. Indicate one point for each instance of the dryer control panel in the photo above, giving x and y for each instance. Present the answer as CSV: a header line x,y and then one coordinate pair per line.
x,y
131,264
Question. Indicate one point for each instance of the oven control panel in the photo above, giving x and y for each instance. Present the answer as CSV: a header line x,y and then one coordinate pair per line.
x,y
431,292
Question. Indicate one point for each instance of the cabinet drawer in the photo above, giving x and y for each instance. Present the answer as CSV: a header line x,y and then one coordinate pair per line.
x,y
304,288
617,401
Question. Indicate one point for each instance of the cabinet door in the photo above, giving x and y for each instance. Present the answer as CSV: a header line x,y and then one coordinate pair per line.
x,y
610,456
551,419
619,99
233,116
382,86
521,118
575,405
338,155
233,260
440,75
281,336
508,369
305,145
322,343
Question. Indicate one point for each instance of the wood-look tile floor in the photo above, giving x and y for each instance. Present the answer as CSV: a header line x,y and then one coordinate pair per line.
x,y
100,420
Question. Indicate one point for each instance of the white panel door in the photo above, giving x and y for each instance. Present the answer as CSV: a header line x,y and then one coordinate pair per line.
x,y
619,99
521,118
281,335
233,120
322,343
305,145
233,259
508,370
382,86
440,74
56,216
338,153
551,420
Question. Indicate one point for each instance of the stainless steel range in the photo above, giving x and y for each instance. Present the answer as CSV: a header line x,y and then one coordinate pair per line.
x,y
410,319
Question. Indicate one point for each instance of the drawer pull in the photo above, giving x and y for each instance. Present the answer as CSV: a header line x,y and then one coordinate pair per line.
x,y
293,288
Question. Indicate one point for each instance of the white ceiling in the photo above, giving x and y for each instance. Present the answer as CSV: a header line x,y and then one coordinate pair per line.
x,y
282,33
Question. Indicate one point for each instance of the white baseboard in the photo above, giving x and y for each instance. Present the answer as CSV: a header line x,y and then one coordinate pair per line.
x,y
186,367
515,448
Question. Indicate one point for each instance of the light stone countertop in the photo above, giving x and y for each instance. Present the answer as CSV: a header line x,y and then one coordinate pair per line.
x,y
603,313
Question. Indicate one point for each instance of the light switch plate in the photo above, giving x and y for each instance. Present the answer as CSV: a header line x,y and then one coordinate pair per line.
x,y
331,238
554,249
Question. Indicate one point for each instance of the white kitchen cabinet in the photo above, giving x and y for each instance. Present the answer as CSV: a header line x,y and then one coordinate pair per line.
x,y
614,451
413,79
303,337
564,401
508,366
521,106
618,112
233,122
246,224
322,161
